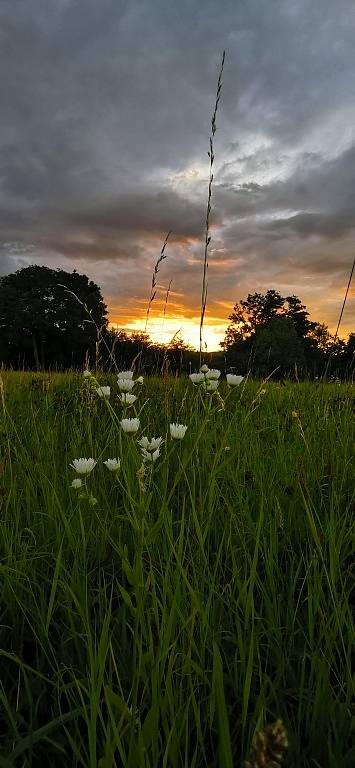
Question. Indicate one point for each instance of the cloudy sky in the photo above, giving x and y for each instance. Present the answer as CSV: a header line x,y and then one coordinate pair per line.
x,y
104,130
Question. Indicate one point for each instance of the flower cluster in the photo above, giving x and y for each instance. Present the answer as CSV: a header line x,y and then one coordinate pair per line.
x,y
125,382
150,449
208,378
83,468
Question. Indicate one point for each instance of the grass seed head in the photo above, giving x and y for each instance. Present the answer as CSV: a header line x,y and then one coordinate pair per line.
x,y
269,748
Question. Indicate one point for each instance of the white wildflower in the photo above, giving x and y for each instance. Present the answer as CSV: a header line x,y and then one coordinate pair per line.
x,y
177,431
77,482
197,378
130,425
103,391
86,374
155,443
233,380
126,385
112,465
127,398
125,375
213,374
83,466
149,456
140,380
150,445
211,385
204,369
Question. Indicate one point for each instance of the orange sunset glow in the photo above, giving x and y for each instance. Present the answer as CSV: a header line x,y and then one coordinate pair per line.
x,y
185,321
164,329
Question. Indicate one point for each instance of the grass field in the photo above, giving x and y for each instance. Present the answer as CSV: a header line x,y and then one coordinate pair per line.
x,y
161,618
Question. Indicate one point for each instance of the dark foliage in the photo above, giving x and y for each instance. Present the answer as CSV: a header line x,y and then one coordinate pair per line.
x,y
49,318
269,332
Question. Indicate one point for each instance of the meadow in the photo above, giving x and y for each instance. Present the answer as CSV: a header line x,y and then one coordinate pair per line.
x,y
162,614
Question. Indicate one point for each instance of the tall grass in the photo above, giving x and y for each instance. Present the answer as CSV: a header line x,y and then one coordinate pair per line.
x,y
193,603
208,209
153,287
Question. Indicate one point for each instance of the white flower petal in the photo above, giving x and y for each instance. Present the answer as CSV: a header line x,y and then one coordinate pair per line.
x,y
233,380
112,465
213,374
126,385
127,398
149,456
177,431
103,391
125,375
197,378
155,443
83,466
130,425
77,482
212,385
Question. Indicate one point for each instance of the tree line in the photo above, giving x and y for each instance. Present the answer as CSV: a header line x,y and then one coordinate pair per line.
x,y
53,319
269,331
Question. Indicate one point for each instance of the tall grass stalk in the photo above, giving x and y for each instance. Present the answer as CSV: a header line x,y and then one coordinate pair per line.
x,y
208,209
153,287
340,316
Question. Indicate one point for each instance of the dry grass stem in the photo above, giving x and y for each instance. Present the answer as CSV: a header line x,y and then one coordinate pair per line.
x,y
153,287
208,210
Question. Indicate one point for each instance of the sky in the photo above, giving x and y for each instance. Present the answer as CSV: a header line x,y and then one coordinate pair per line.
x,y
104,132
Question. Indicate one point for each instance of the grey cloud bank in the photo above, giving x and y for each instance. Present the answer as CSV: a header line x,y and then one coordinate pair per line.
x,y
105,118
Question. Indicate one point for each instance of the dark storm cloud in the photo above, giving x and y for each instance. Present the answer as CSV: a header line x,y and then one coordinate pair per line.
x,y
145,211
105,111
331,226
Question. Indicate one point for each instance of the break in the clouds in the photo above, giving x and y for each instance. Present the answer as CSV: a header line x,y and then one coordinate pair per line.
x,y
105,120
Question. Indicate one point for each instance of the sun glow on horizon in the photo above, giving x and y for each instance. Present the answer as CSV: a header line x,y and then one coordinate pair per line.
x,y
164,330
184,322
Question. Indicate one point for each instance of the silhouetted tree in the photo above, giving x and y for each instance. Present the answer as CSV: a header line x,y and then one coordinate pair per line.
x,y
49,317
277,346
268,331
256,310
349,356
350,348
297,312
